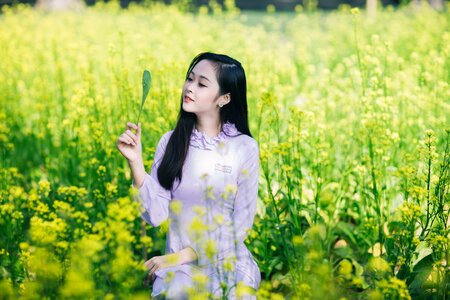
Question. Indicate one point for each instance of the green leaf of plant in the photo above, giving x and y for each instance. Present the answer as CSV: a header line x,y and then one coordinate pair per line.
x,y
347,230
146,82
422,251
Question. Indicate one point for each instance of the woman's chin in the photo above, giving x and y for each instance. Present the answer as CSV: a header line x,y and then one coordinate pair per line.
x,y
186,107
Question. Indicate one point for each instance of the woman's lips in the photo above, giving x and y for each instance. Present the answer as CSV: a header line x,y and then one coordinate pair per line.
x,y
187,99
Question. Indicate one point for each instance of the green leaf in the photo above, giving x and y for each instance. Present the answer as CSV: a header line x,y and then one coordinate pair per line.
x,y
422,251
146,82
347,231
359,270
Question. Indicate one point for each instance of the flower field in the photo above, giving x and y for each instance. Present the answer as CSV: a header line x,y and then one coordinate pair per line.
x,y
351,113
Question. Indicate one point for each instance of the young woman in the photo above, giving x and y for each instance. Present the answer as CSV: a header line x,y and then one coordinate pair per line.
x,y
209,167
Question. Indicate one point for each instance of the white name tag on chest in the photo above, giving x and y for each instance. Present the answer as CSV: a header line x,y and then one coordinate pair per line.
x,y
223,168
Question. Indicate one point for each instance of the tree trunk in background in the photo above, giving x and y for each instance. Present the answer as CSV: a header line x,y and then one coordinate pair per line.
x,y
371,7
60,5
436,4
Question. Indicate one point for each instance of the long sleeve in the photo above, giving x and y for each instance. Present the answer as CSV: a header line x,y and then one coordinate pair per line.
x,y
247,193
153,197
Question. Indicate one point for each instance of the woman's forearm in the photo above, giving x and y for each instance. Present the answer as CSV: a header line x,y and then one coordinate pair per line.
x,y
138,172
187,255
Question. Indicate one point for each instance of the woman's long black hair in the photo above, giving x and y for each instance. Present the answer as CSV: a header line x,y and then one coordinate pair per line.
x,y
231,79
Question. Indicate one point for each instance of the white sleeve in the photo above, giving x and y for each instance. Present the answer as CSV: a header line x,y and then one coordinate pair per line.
x,y
153,197
247,193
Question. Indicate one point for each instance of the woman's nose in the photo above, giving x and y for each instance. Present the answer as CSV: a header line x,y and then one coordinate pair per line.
x,y
188,88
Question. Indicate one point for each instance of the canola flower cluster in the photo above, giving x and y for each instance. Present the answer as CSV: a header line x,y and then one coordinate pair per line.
x,y
351,119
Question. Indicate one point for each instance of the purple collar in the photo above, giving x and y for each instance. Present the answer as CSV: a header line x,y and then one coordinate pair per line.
x,y
202,141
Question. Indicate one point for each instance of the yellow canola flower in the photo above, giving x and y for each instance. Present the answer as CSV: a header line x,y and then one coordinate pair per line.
x,y
44,187
199,210
375,295
229,191
210,192
219,218
72,192
24,246
243,290
229,264
101,171
111,189
44,264
297,240
6,209
277,296
164,226
173,258
146,240
245,172
200,278
42,208
176,206
345,268
210,248
378,265
46,232
64,207
16,192
197,226
287,168
62,245
357,282
305,289
78,285
6,287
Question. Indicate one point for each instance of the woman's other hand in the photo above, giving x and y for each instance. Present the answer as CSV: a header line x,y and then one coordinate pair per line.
x,y
160,262
184,256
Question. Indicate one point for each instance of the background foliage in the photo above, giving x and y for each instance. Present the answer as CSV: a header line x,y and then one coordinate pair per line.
x,y
350,112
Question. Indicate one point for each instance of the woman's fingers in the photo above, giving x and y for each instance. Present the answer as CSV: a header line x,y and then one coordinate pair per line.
x,y
126,139
132,136
149,279
138,131
123,140
152,265
153,268
135,136
131,126
148,263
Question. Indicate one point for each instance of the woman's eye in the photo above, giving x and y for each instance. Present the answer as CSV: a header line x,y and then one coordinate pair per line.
x,y
189,79
202,85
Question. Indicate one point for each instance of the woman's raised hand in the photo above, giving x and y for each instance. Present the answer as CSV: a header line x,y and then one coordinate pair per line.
x,y
129,144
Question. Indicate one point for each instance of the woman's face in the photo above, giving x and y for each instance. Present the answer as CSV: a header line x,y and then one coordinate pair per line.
x,y
201,90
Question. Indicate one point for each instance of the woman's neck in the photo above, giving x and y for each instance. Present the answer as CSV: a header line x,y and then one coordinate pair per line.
x,y
211,127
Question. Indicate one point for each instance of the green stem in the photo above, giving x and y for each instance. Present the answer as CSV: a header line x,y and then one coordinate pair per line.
x,y
375,193
359,59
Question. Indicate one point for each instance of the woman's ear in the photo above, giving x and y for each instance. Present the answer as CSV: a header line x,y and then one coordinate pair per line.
x,y
225,99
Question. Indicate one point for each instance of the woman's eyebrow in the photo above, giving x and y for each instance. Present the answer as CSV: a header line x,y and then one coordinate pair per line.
x,y
201,76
